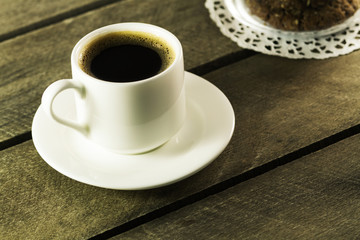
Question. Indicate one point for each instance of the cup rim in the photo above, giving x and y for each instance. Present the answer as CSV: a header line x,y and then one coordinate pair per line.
x,y
125,26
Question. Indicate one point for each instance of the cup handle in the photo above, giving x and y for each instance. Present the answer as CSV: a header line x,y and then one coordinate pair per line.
x,y
49,96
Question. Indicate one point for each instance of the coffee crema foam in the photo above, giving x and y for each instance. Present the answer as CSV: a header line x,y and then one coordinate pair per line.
x,y
96,46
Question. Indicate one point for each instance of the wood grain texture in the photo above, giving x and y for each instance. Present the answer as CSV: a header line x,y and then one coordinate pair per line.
x,y
282,105
17,17
36,202
274,117
29,63
315,197
307,101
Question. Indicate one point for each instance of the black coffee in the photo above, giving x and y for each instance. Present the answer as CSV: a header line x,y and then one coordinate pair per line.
x,y
126,63
126,56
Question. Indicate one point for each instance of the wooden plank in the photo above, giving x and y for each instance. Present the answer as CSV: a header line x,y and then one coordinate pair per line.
x,y
283,105
20,16
315,197
36,201
275,116
31,62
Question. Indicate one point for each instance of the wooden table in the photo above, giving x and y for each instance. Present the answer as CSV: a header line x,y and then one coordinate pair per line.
x,y
291,170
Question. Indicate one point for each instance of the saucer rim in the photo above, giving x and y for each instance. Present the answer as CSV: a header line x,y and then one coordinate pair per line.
x,y
36,132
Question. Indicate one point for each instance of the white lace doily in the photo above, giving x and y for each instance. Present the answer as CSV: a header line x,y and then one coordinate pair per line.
x,y
249,32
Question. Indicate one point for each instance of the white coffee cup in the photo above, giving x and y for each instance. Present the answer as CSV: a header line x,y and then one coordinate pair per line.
x,y
126,117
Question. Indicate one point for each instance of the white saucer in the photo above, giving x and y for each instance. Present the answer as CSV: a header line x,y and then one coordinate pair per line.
x,y
207,131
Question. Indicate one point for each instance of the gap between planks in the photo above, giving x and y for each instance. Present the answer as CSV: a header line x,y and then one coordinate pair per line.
x,y
11,142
